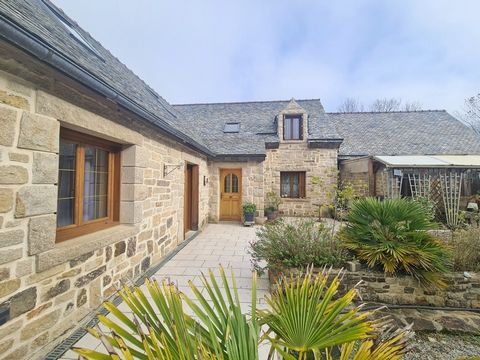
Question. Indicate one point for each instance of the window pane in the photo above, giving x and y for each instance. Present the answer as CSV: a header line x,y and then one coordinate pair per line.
x,y
295,128
65,212
67,155
66,183
234,183
285,191
95,195
287,129
226,184
295,178
231,128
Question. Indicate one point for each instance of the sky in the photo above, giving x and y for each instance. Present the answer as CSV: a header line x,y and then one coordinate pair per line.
x,y
219,51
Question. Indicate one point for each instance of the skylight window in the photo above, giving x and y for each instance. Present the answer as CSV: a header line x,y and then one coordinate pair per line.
x,y
231,128
71,29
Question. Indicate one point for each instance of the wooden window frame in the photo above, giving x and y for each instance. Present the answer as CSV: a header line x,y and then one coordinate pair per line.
x,y
79,227
301,184
289,118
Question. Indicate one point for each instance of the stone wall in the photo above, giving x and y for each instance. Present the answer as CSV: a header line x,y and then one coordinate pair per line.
x,y
462,291
252,185
356,173
295,155
47,288
317,163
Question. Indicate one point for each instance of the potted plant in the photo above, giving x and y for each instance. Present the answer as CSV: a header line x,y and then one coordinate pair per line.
x,y
249,210
273,201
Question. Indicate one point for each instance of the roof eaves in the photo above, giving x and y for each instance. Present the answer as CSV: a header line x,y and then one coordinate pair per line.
x,y
239,157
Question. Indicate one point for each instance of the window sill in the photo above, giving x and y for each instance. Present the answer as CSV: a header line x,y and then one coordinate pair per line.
x,y
289,200
73,248
292,141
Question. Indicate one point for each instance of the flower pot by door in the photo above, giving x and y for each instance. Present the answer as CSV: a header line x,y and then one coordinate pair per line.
x,y
249,217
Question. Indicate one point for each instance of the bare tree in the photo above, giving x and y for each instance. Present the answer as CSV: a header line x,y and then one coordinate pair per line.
x,y
350,104
412,106
385,105
380,105
471,113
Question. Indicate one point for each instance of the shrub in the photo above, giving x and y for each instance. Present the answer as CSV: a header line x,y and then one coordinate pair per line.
x,y
465,246
273,200
249,208
297,244
428,205
392,235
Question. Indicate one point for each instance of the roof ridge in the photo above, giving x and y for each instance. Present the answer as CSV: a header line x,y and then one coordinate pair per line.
x,y
243,102
384,112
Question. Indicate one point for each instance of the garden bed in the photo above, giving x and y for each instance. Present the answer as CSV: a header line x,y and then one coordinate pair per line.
x,y
462,291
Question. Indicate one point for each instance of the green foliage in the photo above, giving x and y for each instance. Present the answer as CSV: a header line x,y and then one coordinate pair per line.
x,y
219,331
273,200
465,246
298,244
344,194
338,200
428,205
249,208
392,235
391,345
269,210
304,318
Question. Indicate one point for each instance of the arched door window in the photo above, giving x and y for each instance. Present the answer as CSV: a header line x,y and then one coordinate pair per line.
x,y
230,184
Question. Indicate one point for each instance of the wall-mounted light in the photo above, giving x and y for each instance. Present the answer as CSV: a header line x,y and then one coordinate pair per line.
x,y
205,180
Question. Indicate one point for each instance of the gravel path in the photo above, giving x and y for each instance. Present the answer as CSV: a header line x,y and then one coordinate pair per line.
x,y
440,346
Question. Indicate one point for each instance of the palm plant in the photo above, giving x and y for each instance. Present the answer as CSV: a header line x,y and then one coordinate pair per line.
x,y
304,320
220,331
393,235
391,345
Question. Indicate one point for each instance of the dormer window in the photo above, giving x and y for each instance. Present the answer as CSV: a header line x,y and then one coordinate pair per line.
x,y
231,128
292,127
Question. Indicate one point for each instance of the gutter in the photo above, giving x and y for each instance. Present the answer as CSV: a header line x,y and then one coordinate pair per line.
x,y
328,143
24,40
240,157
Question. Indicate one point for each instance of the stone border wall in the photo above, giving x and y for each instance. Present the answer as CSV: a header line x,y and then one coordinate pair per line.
x,y
462,291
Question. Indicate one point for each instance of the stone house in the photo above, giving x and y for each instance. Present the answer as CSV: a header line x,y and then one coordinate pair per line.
x,y
101,178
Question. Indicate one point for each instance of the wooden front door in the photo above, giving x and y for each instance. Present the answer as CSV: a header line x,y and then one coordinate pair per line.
x,y
230,194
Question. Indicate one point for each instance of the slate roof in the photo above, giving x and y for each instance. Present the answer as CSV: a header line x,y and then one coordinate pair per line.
x,y
426,132
257,124
396,133
37,19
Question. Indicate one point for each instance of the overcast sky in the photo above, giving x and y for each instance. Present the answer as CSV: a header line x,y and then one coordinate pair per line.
x,y
215,51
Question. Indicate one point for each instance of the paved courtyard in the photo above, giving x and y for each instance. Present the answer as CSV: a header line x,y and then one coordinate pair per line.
x,y
225,244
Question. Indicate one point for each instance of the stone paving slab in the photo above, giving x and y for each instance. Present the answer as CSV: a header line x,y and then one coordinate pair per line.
x,y
224,243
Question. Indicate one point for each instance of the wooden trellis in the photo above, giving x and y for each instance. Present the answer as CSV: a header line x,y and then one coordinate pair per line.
x,y
451,189
420,185
392,185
